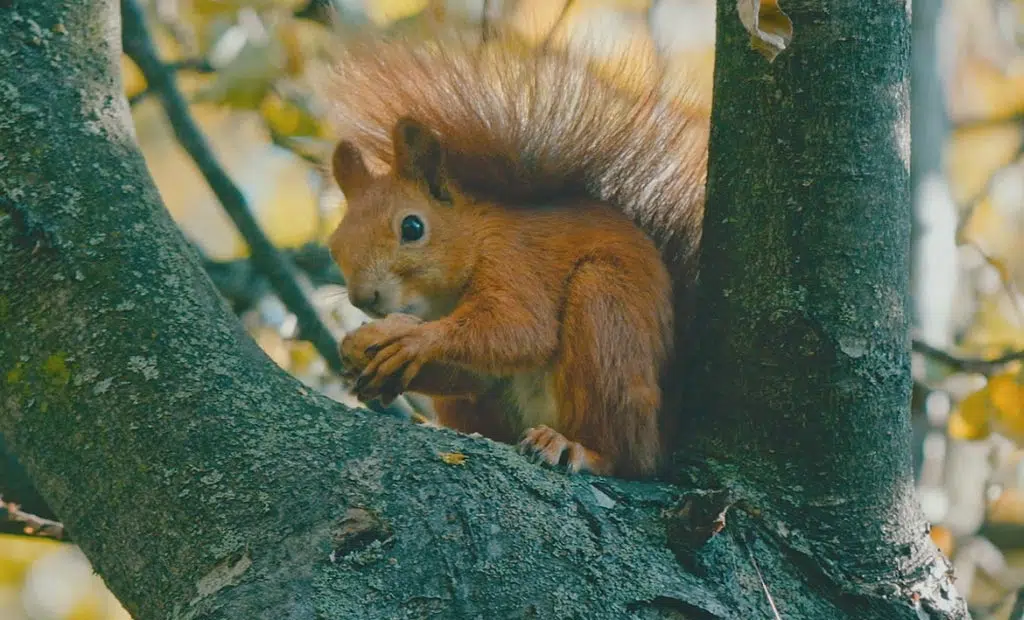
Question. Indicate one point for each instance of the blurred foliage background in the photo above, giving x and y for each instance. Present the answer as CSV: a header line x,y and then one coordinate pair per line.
x,y
248,69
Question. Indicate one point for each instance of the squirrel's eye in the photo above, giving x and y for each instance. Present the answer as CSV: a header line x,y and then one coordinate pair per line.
x,y
412,228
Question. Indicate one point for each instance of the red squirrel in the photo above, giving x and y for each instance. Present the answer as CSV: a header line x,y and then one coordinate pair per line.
x,y
526,234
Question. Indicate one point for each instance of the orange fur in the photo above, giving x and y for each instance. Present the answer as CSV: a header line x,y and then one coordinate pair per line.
x,y
546,195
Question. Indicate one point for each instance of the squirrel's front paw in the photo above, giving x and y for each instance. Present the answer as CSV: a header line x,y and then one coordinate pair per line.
x,y
396,360
359,345
547,445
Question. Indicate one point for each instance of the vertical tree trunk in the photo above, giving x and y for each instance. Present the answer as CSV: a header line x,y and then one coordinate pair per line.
x,y
805,384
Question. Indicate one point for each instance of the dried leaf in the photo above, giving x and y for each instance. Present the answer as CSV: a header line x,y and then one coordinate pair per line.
x,y
943,539
770,28
453,458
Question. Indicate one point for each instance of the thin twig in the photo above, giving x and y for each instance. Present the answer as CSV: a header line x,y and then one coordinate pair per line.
x,y
1004,278
1018,607
199,65
972,203
966,364
138,44
995,121
558,24
34,525
485,22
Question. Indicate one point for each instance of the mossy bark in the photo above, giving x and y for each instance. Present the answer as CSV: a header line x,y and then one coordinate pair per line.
x,y
204,482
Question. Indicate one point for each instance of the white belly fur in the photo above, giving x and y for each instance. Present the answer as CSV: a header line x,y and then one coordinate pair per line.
x,y
532,395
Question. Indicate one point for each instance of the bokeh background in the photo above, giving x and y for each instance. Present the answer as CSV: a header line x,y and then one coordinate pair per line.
x,y
248,69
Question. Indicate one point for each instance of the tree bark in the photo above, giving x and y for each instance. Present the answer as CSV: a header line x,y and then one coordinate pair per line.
x,y
204,482
804,293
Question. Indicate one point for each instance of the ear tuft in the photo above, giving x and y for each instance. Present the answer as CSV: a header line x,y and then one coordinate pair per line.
x,y
420,157
349,168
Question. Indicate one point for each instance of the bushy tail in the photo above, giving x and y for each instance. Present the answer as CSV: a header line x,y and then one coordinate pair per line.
x,y
530,126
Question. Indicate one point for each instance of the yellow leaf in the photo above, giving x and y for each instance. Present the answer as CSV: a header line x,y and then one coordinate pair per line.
x,y
132,78
1005,392
1008,507
302,354
995,329
288,211
453,458
770,28
273,345
982,90
17,553
1007,397
976,153
288,119
384,12
227,7
88,606
970,421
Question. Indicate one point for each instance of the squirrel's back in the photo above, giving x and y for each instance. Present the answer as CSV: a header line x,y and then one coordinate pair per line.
x,y
530,126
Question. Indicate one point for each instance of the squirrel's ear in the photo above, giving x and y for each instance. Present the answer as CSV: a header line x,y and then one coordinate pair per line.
x,y
349,168
420,157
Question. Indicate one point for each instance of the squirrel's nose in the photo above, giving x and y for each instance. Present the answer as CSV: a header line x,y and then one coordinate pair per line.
x,y
365,299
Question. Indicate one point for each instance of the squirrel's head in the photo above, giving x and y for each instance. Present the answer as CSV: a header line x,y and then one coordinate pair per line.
x,y
405,242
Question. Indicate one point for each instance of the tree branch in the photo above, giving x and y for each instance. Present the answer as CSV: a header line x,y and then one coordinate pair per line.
x,y
972,203
986,122
30,523
243,284
203,482
1017,613
967,364
160,78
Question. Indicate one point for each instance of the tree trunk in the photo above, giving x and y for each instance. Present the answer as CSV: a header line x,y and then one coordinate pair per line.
x,y
804,385
204,482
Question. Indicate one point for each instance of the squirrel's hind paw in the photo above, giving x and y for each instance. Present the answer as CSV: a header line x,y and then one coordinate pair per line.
x,y
546,445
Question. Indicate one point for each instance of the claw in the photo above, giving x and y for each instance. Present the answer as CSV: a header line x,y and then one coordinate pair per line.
x,y
549,447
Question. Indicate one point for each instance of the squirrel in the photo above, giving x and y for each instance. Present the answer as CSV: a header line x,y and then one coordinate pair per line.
x,y
525,233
